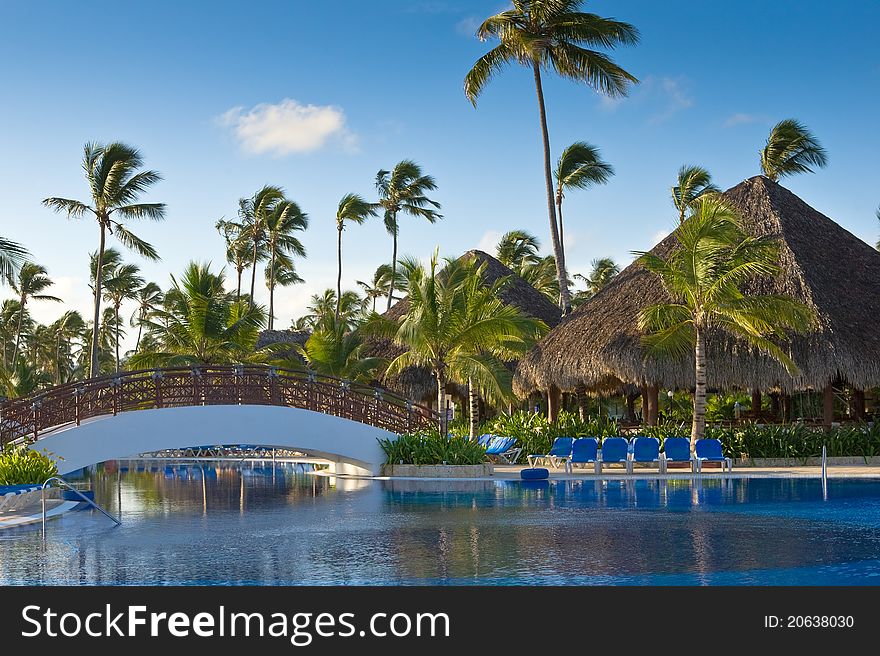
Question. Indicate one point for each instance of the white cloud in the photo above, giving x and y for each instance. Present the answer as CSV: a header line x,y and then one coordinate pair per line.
x,y
468,25
488,241
740,118
675,98
664,96
287,127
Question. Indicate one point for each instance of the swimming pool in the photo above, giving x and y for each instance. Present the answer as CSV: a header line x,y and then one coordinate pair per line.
x,y
259,524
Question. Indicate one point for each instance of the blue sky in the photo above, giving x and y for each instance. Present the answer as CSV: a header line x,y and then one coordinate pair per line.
x,y
224,97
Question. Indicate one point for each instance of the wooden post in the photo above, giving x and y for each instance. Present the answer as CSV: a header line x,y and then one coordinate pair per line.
x,y
786,409
631,408
828,406
645,405
581,394
756,402
554,399
858,404
774,405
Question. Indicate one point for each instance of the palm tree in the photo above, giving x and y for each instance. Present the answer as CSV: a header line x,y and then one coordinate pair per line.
x,y
580,166
200,323
122,284
402,190
355,209
115,184
791,148
12,256
8,326
693,182
285,218
555,35
29,284
65,332
149,298
255,213
379,285
603,271
703,278
459,327
238,248
284,274
516,248
334,349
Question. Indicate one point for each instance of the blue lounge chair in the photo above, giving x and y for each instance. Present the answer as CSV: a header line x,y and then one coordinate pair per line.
x,y
646,450
585,450
504,448
678,449
483,440
709,450
560,451
614,451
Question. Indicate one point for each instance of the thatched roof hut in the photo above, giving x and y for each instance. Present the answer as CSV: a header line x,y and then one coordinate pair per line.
x,y
277,339
418,383
821,264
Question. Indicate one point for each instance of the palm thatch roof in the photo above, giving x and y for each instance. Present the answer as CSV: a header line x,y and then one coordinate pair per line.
x,y
417,382
278,338
821,264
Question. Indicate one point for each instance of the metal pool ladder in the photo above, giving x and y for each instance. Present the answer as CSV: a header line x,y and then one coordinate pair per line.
x,y
62,483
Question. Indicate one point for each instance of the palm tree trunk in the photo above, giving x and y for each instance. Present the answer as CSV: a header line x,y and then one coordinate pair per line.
x,y
239,271
339,271
272,290
561,230
473,409
137,343
580,393
562,276
253,272
21,305
699,426
99,271
441,390
393,266
116,332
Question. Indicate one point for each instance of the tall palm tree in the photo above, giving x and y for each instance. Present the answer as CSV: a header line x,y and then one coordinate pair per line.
x,y
29,284
201,323
285,218
703,277
791,148
255,213
116,184
458,327
554,35
402,190
149,298
122,284
354,209
580,166
693,182
603,271
238,247
8,326
12,256
378,286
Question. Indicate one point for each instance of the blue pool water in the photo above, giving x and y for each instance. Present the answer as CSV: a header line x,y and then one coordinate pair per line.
x,y
244,524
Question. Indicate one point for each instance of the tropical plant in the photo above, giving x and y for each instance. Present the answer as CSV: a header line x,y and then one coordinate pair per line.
x,y
693,182
334,349
19,465
458,326
201,323
380,284
791,148
518,250
29,284
555,35
354,209
115,184
254,213
703,278
12,256
603,271
149,299
121,284
429,447
580,166
26,378
402,190
285,218
65,332
238,247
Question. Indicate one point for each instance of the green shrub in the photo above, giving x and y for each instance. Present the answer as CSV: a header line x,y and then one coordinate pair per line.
x,y
21,466
430,448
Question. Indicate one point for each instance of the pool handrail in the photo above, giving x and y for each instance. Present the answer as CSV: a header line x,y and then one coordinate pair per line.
x,y
62,483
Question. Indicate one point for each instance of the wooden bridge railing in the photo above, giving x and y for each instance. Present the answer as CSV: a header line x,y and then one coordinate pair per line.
x,y
28,417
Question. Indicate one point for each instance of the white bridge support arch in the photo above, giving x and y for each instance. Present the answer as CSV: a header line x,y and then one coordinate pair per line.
x,y
351,447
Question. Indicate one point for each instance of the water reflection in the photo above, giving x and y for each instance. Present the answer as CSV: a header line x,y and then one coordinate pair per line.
x,y
254,523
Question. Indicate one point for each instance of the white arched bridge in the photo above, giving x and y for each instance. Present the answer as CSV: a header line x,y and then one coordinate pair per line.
x,y
134,412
